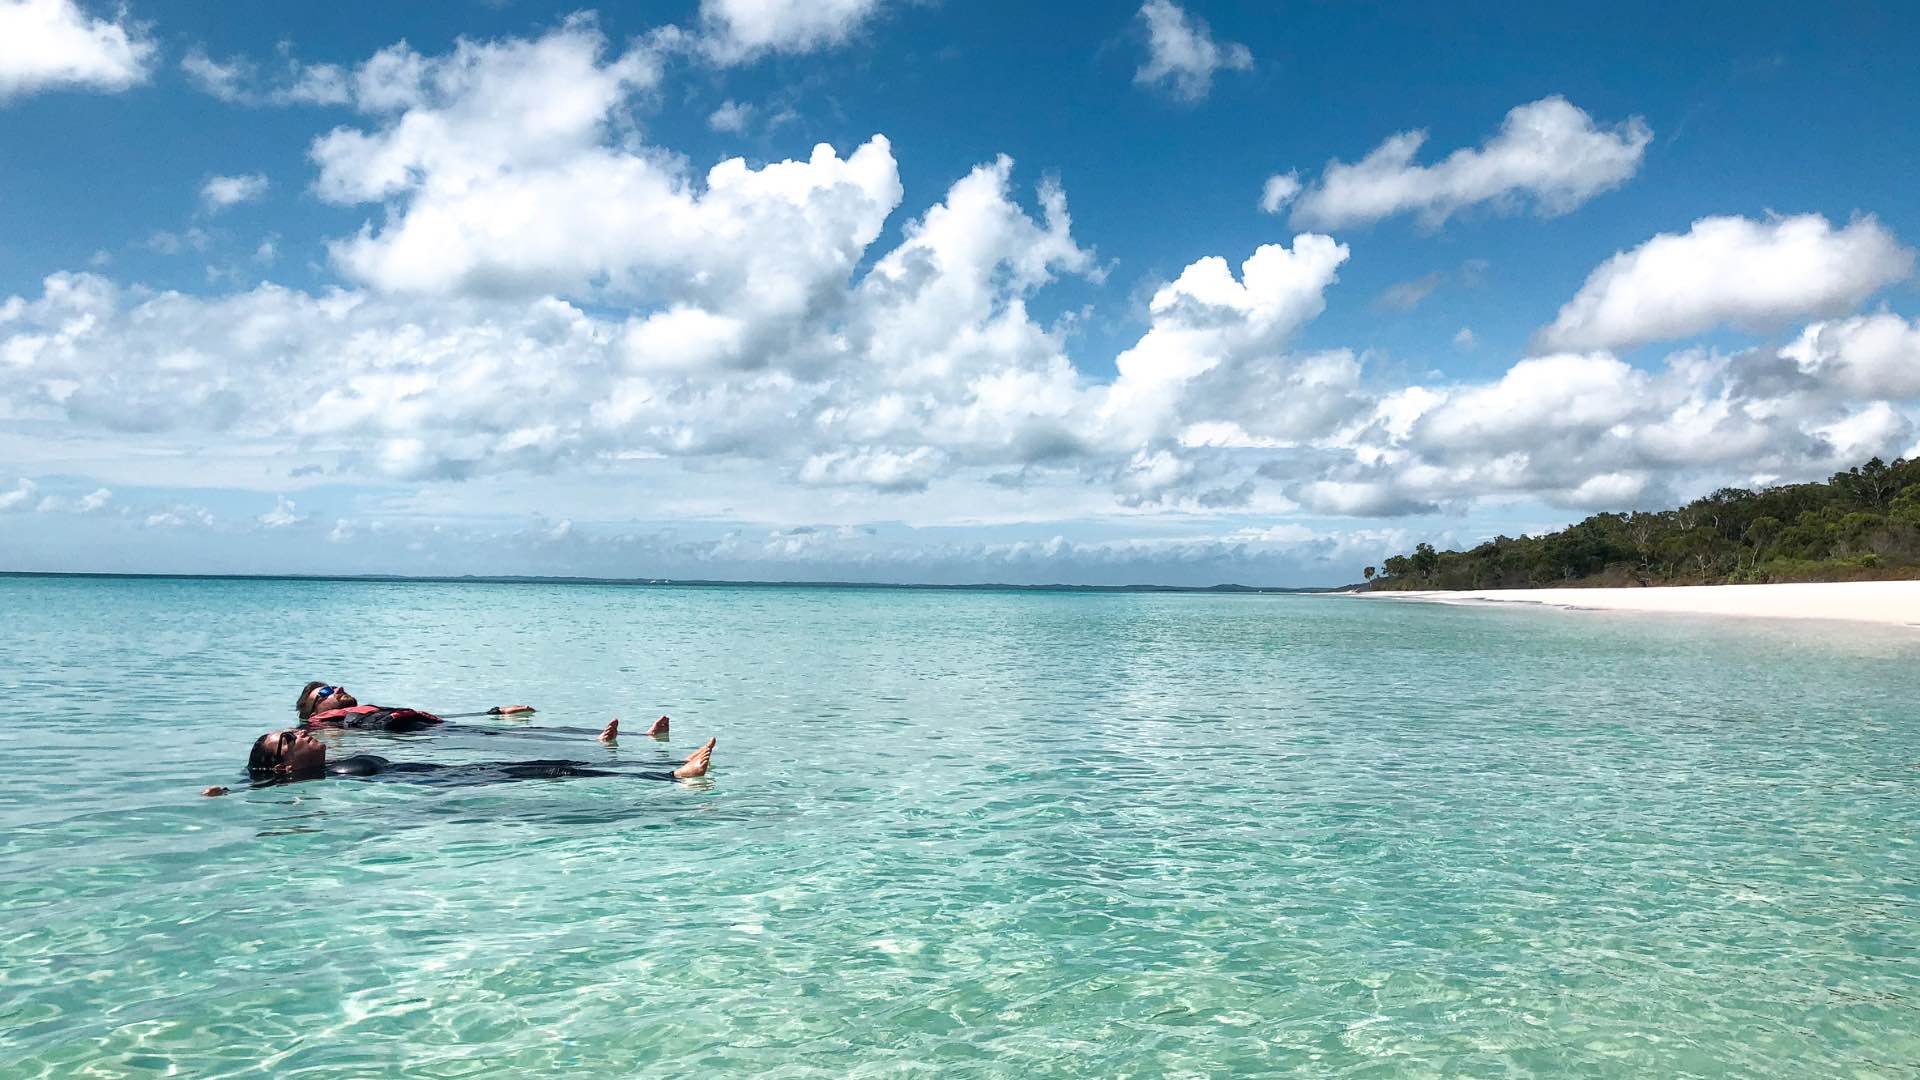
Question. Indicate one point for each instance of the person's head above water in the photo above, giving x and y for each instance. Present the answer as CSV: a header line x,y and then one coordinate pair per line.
x,y
292,752
319,697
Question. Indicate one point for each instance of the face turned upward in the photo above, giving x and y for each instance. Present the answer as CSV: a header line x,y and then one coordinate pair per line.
x,y
320,697
289,752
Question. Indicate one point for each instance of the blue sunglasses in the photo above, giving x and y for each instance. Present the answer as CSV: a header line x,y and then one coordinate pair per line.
x,y
324,693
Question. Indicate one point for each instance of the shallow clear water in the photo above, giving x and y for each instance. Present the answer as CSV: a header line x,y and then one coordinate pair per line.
x,y
958,834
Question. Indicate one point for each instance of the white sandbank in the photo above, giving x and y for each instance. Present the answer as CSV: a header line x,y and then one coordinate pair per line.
x,y
1892,602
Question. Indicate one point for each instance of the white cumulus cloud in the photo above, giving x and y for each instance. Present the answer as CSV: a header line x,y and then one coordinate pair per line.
x,y
499,165
1206,319
1587,431
313,84
886,470
239,80
544,302
731,117
737,31
932,348
1548,154
1181,53
282,514
227,80
1871,356
1278,191
1752,274
46,44
220,192
21,494
1875,430
179,516
90,503
1536,397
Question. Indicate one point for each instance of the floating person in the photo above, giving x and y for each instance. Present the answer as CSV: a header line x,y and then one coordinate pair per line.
x,y
294,755
325,706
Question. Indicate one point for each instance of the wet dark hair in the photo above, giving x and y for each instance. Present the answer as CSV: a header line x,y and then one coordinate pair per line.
x,y
301,705
264,756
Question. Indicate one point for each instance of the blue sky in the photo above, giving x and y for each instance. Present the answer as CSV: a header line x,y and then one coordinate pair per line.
x,y
450,288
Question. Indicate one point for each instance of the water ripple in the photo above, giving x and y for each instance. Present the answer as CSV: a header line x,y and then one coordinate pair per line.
x,y
958,835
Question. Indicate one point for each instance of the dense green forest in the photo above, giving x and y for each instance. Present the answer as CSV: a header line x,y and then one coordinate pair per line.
x,y
1861,524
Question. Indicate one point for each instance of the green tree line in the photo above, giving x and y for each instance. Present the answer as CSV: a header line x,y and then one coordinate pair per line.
x,y
1861,524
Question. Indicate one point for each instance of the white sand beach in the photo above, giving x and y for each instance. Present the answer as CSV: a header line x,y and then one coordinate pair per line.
x,y
1891,602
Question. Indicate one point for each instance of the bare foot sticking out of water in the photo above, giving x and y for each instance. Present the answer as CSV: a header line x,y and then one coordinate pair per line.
x,y
659,728
610,733
697,764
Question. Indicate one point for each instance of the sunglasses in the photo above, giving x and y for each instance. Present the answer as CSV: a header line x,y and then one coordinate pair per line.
x,y
324,693
283,744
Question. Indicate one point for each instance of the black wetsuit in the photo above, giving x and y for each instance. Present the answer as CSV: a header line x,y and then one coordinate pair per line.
x,y
366,766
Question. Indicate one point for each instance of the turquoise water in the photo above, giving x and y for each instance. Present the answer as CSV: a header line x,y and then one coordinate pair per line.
x,y
958,834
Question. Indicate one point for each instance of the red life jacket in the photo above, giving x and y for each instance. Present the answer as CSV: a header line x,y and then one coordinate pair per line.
x,y
372,716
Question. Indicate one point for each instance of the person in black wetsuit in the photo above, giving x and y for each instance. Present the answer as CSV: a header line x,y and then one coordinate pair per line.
x,y
293,755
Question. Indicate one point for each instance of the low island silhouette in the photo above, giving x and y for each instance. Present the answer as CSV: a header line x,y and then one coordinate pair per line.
x,y
1860,525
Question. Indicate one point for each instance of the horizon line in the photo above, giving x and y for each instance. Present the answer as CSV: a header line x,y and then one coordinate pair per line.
x,y
564,579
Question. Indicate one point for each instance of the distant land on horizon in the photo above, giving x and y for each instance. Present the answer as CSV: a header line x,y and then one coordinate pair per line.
x,y
533,579
1862,524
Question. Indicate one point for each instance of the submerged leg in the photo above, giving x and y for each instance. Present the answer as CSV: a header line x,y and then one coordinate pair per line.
x,y
697,764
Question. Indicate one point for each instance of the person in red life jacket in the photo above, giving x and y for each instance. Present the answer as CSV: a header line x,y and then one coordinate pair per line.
x,y
323,706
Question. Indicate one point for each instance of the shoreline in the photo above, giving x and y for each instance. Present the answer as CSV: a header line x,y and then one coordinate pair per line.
x,y
1887,603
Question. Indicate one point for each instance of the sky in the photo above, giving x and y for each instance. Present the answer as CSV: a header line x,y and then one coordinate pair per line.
x,y
920,291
